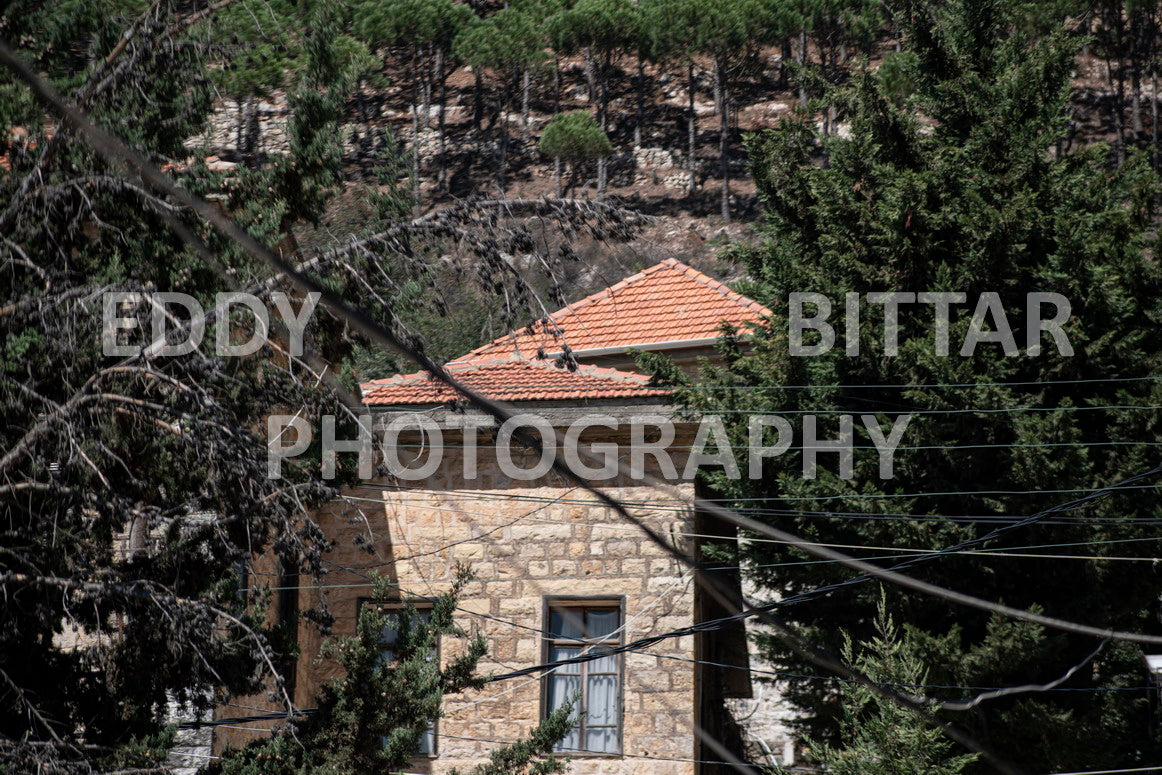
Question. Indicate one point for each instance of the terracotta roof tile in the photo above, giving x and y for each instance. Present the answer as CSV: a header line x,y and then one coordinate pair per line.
x,y
512,379
667,302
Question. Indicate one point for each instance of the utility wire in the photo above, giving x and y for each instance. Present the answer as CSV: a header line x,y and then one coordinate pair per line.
x,y
656,411
424,496
910,386
686,534
113,149
893,495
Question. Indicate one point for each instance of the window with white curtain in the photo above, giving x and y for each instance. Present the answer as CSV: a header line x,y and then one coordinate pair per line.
x,y
575,627
423,612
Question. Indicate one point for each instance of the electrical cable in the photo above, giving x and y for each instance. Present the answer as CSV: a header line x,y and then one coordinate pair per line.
x,y
110,147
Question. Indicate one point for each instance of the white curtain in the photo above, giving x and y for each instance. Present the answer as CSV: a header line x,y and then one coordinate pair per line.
x,y
601,696
564,684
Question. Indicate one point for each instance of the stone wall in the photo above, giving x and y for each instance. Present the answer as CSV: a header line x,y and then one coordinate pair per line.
x,y
191,747
525,541
259,127
765,719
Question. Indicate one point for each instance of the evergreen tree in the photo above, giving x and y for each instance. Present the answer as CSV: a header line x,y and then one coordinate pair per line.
x,y
573,137
354,730
880,737
728,32
420,33
955,188
602,30
673,25
508,43
135,488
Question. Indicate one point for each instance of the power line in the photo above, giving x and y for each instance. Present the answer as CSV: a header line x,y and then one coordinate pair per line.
x,y
898,551
423,496
838,679
550,410
718,623
492,444
686,534
1111,772
909,386
826,589
112,149
878,496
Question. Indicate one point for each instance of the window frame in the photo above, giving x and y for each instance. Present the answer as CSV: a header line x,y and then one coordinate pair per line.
x,y
549,605
421,604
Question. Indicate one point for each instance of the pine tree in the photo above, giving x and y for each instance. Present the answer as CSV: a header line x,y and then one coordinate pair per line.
x,y
371,719
135,488
420,33
673,28
602,30
878,736
728,32
954,186
573,137
509,43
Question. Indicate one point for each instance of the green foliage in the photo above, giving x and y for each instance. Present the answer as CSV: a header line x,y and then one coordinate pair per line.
x,y
371,719
410,23
267,56
880,737
601,25
574,136
137,509
532,756
729,30
508,39
949,182
896,76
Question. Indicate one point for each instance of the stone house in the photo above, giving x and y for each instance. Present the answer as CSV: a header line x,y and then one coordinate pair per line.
x,y
556,572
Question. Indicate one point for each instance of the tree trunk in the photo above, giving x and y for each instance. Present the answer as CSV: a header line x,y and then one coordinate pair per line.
x,y
802,59
572,182
604,67
240,131
364,118
602,120
557,175
590,77
718,108
641,101
723,136
1142,33
252,133
692,130
1118,117
556,83
787,56
1154,116
1136,101
442,163
416,148
477,100
502,168
426,87
1120,94
524,102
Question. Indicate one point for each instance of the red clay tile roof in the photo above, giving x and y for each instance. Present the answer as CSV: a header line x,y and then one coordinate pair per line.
x,y
665,303
511,380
